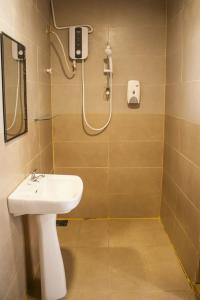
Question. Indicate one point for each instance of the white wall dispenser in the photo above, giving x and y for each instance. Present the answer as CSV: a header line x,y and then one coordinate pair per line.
x,y
133,92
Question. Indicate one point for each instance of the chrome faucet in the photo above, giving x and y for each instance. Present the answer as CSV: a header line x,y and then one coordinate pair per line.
x,y
34,177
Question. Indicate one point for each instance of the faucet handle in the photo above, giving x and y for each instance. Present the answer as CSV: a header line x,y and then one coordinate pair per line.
x,y
33,173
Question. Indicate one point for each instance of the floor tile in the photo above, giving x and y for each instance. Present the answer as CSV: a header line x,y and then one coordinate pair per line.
x,y
132,233
87,268
158,295
79,295
128,271
159,254
69,235
121,260
93,233
167,276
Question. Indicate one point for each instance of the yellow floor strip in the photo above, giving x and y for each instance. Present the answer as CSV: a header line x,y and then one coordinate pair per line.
x,y
109,218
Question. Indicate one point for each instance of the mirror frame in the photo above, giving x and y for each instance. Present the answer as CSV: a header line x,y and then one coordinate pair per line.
x,y
6,139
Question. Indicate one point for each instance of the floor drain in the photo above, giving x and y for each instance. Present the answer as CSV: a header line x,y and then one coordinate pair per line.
x,y
61,222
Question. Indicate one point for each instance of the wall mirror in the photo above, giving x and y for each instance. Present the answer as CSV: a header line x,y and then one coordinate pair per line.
x,y
13,62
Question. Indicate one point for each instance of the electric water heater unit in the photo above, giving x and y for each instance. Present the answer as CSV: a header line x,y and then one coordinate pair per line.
x,y
78,42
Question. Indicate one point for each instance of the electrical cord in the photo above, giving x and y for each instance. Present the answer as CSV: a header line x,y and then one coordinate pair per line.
x,y
65,57
66,27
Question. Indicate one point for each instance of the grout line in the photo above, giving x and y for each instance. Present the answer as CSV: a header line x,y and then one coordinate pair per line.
x,y
105,167
110,141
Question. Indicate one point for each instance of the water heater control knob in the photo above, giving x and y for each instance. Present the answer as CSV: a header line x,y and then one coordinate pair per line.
x,y
78,52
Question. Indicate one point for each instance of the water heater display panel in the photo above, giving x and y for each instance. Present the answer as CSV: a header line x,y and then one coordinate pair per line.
x,y
78,42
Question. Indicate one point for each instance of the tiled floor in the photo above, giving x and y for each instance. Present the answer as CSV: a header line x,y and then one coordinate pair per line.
x,y
121,260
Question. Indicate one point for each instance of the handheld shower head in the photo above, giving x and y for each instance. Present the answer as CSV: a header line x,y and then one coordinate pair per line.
x,y
108,50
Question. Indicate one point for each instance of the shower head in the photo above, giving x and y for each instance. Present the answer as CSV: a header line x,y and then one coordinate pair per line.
x,y
108,50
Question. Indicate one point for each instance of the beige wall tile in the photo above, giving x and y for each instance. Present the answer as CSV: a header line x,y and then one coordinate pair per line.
x,y
92,205
135,154
178,101
81,154
190,61
86,14
133,205
173,132
189,217
95,180
46,159
183,245
66,99
170,191
152,100
148,41
146,68
174,32
190,141
69,127
142,13
44,98
184,173
173,7
137,127
44,8
94,202
174,68
143,180
45,133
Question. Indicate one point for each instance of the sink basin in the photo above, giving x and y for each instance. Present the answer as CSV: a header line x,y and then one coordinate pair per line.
x,y
51,194
46,197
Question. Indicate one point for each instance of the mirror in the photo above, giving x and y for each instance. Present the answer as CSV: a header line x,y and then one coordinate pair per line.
x,y
13,62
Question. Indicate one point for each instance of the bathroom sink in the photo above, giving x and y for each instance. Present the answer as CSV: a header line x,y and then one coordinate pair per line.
x,y
45,197
51,194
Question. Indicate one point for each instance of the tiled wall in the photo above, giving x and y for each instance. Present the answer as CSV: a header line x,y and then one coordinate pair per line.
x,y
26,21
121,168
181,193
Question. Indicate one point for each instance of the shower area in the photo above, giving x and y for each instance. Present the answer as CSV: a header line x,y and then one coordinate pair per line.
x,y
122,165
144,162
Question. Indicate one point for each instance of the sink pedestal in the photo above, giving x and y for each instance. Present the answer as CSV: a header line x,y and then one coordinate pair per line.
x,y
53,281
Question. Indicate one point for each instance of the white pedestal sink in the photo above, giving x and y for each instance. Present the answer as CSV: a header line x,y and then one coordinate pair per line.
x,y
50,195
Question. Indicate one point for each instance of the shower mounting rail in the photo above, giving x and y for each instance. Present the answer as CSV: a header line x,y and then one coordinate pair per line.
x,y
44,118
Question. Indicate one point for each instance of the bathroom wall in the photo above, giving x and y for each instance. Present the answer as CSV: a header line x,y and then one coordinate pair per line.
x,y
25,21
121,168
181,187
